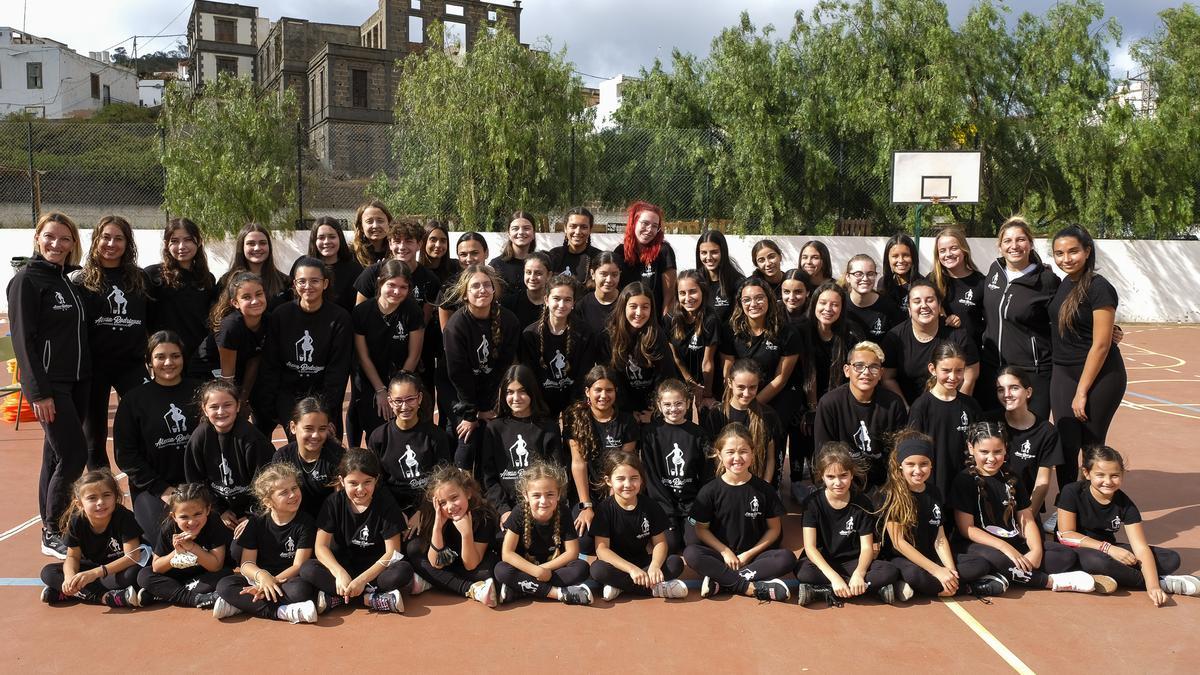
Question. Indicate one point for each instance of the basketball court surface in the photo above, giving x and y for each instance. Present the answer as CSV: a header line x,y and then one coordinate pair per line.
x,y
1156,429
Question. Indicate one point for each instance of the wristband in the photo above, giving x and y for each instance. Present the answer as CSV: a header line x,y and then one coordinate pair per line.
x,y
103,571
1104,546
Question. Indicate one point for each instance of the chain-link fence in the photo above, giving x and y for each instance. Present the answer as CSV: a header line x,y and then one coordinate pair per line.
x,y
819,186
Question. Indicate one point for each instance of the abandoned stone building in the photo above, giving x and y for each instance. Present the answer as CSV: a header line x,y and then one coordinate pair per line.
x,y
344,76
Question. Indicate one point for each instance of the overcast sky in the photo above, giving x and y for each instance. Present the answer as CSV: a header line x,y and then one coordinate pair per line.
x,y
602,37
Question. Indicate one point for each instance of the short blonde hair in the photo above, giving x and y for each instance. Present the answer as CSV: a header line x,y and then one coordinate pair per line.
x,y
63,219
866,346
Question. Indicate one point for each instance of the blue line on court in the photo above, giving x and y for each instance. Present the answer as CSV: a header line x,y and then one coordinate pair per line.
x,y
19,581
1163,401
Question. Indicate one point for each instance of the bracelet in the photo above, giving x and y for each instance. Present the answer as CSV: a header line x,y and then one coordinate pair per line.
x,y
381,390
1104,546
260,571
103,571
437,549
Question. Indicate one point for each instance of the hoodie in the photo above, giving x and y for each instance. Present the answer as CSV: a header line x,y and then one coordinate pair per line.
x,y
1017,322
49,334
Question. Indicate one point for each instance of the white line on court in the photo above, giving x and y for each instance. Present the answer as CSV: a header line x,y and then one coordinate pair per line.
x,y
984,634
19,528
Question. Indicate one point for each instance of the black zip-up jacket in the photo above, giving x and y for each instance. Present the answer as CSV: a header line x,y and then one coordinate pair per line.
x,y
116,318
307,353
1017,328
49,332
474,363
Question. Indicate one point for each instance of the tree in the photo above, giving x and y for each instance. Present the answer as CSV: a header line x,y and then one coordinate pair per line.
x,y
229,155
482,133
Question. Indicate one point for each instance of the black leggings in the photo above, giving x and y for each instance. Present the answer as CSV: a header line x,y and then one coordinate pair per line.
x,y
362,417
681,534
294,590
769,564
607,574
800,448
1103,400
64,451
454,578
180,587
398,575
879,574
1095,562
54,577
970,568
574,572
149,511
123,377
1056,559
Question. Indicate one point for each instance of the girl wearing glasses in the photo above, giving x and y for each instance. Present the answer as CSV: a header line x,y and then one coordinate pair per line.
x,y
644,256
875,314
409,448
308,346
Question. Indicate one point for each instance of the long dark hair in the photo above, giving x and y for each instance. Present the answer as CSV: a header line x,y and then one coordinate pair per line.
x,y
842,342
170,266
507,252
772,321
1069,311
826,263
223,307
272,279
524,376
132,277
887,279
685,323
626,342
343,252
728,272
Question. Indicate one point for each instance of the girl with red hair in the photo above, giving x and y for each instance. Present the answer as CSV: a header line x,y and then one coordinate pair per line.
x,y
644,256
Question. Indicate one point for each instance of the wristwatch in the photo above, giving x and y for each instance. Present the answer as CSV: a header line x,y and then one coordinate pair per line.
x,y
585,505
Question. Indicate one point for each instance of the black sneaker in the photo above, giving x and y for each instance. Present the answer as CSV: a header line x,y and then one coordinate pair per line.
x,y
204,600
771,589
805,593
826,593
989,585
126,597
53,595
52,544
575,595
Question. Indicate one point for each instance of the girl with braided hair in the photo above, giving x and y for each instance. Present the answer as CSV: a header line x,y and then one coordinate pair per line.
x,y
540,554
481,343
557,347
991,510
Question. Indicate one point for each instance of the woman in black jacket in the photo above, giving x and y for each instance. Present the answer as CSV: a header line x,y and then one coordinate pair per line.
x,y
49,338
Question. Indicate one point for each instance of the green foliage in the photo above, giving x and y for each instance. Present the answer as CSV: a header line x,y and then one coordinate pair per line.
x,y
229,155
481,134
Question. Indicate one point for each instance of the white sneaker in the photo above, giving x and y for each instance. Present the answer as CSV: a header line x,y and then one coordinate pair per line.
x,y
1077,582
610,593
672,588
1180,584
224,610
484,592
298,612
419,585
904,592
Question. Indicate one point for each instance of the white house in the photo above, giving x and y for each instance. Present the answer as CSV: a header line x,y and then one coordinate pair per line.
x,y
611,93
150,93
49,79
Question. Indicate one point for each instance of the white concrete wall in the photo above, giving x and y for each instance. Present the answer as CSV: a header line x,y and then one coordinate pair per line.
x,y
1157,281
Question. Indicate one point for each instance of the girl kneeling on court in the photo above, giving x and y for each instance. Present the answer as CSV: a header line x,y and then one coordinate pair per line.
x,y
738,522
358,541
453,552
839,539
274,545
189,553
914,536
631,540
540,553
994,521
1093,510
102,539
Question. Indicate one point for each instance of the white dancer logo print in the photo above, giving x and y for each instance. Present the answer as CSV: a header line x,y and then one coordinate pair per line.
x,y
518,453
848,528
175,420
226,472
409,464
676,458
862,439
753,512
117,303
635,371
558,364
305,348
936,520
482,355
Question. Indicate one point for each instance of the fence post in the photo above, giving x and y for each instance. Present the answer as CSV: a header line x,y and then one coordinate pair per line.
x,y
162,153
572,195
707,199
299,177
33,182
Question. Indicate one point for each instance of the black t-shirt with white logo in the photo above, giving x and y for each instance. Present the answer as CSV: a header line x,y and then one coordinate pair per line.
x,y
630,532
676,462
387,337
541,548
277,544
690,349
408,458
737,514
594,314
425,284
947,423
622,428
838,530
650,275
359,538
558,361
767,353
102,548
932,515
484,526
987,498
1030,449
235,336
910,357
213,535
316,477
877,318
964,299
509,446
866,427
577,265
227,463
1096,520
638,379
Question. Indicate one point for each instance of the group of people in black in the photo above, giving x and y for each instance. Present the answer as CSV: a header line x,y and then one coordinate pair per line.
x,y
505,414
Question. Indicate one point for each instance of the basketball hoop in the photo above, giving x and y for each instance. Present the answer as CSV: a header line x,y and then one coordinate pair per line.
x,y
922,179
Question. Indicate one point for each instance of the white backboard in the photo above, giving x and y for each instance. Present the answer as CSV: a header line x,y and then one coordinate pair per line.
x,y
950,176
